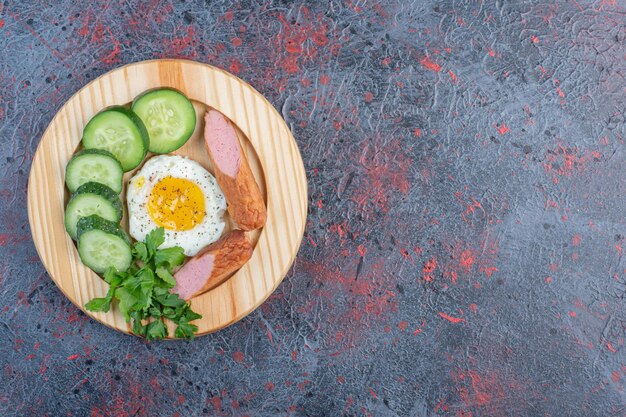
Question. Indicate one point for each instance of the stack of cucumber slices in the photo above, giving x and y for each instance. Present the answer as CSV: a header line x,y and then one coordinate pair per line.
x,y
115,141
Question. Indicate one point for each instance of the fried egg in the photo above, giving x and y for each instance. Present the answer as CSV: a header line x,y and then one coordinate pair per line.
x,y
179,195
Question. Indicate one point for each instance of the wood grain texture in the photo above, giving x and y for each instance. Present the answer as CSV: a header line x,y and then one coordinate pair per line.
x,y
272,153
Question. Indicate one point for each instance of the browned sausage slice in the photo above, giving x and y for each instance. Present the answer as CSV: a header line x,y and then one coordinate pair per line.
x,y
210,267
233,174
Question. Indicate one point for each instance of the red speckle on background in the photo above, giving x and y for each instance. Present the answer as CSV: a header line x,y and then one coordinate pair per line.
x,y
235,66
451,319
1,23
534,39
610,347
84,29
181,399
229,16
402,325
362,250
216,402
502,128
572,314
441,405
429,268
473,308
386,168
43,368
406,255
429,64
178,46
324,79
112,56
563,161
452,76
295,40
236,41
576,239
4,239
154,383
467,260
417,132
73,357
238,356
491,52
269,386
615,376
482,389
368,97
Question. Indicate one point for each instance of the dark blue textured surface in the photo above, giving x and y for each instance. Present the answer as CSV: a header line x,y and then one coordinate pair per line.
x,y
464,254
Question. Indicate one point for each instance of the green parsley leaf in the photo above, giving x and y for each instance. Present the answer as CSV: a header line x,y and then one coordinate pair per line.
x,y
138,328
171,257
112,275
166,276
155,312
126,301
169,312
185,330
170,300
155,239
156,330
99,304
141,251
191,315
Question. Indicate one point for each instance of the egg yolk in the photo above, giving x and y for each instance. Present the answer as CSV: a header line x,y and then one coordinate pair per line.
x,y
176,204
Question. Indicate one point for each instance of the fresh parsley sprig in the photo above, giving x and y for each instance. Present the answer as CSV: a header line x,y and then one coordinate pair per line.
x,y
142,291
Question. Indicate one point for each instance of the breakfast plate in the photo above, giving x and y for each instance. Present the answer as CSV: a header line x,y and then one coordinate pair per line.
x,y
266,141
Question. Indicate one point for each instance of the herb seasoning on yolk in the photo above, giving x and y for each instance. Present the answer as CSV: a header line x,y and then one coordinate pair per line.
x,y
176,204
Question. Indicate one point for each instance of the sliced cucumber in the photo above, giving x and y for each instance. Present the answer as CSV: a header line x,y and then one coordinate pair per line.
x,y
119,131
92,198
103,244
168,116
94,165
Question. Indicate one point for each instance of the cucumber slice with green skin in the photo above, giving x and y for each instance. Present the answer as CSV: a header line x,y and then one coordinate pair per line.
x,y
118,130
94,165
168,116
92,198
103,244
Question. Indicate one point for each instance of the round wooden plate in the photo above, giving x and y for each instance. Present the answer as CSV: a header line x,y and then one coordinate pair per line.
x,y
271,150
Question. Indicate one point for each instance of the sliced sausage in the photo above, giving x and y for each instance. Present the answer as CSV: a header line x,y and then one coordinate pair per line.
x,y
233,174
210,267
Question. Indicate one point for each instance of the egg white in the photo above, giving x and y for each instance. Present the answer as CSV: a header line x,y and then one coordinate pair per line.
x,y
154,170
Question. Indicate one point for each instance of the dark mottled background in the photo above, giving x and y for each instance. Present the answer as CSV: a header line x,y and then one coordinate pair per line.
x,y
464,252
